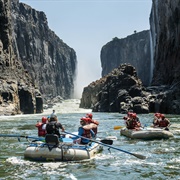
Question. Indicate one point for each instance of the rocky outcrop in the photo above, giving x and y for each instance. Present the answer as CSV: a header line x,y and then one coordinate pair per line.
x,y
119,91
18,93
134,49
50,62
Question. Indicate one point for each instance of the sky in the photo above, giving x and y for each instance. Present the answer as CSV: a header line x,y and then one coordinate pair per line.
x,y
88,25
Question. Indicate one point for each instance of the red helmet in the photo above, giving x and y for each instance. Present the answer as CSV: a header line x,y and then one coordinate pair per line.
x,y
89,120
44,119
85,119
162,116
134,115
89,115
157,114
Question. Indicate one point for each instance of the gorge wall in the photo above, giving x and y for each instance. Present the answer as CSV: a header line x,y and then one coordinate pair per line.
x,y
50,62
165,30
163,95
34,63
17,90
134,49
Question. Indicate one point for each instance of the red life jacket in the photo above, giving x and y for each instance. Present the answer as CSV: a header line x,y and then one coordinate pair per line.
x,y
89,120
91,126
163,123
86,133
131,124
41,132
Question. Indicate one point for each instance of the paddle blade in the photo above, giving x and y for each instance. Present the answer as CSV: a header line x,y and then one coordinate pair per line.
x,y
118,127
107,141
139,156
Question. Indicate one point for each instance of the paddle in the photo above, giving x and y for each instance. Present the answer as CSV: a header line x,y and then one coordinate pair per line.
x,y
105,141
108,140
22,136
118,127
136,155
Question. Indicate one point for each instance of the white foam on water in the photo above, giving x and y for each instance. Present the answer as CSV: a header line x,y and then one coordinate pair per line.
x,y
68,106
16,161
71,176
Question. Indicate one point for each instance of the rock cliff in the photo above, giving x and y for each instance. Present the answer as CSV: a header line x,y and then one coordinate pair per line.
x,y
134,49
165,30
50,62
17,90
35,64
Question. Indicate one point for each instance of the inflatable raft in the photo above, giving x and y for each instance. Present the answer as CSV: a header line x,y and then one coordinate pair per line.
x,y
146,134
53,150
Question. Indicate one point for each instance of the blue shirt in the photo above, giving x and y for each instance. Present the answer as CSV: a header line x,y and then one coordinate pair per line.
x,y
80,133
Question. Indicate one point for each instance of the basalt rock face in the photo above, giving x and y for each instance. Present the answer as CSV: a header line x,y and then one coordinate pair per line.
x,y
119,91
122,90
49,61
165,30
34,62
17,90
134,49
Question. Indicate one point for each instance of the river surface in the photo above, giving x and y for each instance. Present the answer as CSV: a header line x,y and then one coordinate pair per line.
x,y
162,162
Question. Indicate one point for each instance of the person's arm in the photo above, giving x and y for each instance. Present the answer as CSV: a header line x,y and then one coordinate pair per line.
x,y
63,129
127,123
168,122
156,122
80,133
38,124
92,133
59,125
125,117
95,122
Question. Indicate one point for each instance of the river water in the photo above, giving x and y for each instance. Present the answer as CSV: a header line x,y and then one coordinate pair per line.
x,y
162,162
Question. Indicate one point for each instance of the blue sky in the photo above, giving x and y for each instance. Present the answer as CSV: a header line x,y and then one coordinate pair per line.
x,y
87,25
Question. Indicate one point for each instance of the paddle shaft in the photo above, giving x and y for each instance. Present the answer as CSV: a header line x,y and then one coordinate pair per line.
x,y
106,141
22,136
136,155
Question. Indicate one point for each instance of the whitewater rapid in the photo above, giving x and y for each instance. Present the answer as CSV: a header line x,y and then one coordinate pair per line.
x,y
65,107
